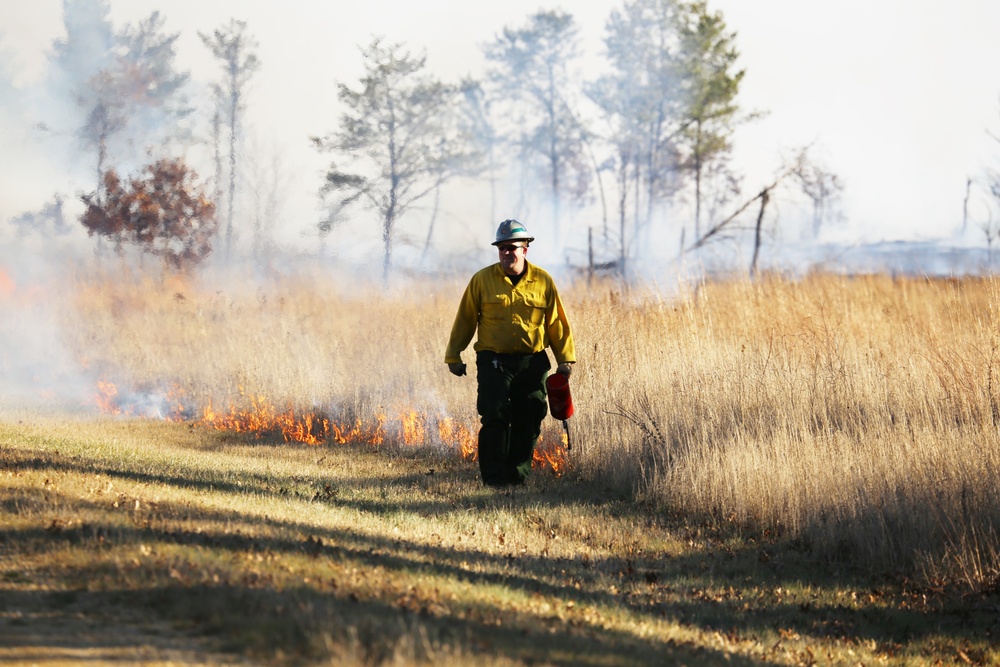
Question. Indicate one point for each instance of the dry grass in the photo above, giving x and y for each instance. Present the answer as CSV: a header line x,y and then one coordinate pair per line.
x,y
151,542
790,471
859,414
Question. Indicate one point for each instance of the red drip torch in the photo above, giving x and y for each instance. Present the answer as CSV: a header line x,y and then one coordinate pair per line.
x,y
560,401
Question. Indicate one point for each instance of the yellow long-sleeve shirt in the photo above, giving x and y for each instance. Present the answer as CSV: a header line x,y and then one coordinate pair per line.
x,y
511,319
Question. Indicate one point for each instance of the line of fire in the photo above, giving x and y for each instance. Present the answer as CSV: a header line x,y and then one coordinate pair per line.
x,y
257,417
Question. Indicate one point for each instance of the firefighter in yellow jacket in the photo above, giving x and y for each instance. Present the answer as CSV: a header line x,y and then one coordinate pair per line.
x,y
517,312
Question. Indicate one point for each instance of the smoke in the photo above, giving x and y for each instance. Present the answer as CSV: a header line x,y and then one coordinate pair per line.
x,y
35,364
279,212
51,221
55,161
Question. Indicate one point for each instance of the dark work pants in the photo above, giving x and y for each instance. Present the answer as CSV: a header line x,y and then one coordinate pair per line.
x,y
511,404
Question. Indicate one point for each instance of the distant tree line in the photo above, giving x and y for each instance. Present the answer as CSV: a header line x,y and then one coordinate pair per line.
x,y
658,124
652,131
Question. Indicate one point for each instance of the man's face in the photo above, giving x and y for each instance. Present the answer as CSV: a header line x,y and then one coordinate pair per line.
x,y
512,257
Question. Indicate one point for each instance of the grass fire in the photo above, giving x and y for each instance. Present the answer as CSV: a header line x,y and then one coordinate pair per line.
x,y
260,418
789,471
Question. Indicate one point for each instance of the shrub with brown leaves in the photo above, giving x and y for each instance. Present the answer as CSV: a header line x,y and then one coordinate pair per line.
x,y
163,211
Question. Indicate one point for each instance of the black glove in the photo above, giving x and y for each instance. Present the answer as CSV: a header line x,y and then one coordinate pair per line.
x,y
457,369
565,369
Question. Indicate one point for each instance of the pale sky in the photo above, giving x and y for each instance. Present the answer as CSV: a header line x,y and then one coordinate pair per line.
x,y
897,95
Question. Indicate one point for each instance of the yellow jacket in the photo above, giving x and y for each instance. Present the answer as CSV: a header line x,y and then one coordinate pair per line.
x,y
511,319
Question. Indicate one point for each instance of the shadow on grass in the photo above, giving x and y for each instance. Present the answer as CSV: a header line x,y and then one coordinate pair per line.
x,y
329,487
260,621
682,590
688,581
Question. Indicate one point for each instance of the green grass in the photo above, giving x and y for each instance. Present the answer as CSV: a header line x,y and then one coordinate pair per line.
x,y
145,541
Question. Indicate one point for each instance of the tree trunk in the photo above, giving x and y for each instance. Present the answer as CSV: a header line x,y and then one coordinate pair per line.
x,y
622,208
697,182
217,143
387,246
233,111
430,227
764,196
965,204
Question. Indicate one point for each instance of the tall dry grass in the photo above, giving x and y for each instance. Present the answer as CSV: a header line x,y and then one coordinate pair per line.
x,y
858,416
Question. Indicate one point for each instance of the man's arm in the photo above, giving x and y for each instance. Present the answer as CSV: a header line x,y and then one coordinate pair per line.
x,y
464,328
559,333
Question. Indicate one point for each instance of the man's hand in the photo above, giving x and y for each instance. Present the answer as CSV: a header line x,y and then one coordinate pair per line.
x,y
565,369
457,369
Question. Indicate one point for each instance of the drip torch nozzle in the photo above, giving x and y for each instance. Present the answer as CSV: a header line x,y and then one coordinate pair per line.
x,y
560,401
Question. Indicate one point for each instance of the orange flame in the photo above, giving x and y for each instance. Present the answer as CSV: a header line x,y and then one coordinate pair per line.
x,y
105,399
552,454
262,418
461,435
413,427
361,433
259,418
169,404
175,396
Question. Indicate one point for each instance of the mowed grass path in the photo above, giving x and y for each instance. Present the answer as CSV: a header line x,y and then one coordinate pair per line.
x,y
145,542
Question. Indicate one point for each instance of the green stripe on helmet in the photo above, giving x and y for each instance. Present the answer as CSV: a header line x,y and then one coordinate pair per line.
x,y
512,230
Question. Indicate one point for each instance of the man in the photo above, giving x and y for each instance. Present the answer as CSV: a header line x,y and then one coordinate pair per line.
x,y
516,309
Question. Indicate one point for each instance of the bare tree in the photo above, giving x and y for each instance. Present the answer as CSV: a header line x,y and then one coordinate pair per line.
x,y
641,100
530,72
670,105
990,227
268,181
121,80
611,94
728,226
150,82
398,140
106,118
234,48
822,187
83,62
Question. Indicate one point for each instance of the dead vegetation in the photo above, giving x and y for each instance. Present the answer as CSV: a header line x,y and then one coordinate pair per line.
x,y
139,540
790,471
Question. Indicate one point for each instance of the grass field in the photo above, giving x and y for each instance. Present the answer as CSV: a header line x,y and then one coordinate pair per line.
x,y
785,472
152,541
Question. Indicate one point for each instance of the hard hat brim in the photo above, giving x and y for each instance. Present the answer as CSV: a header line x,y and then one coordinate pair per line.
x,y
526,239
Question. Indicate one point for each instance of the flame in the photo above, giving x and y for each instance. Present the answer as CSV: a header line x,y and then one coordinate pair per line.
x,y
256,415
176,398
262,418
309,429
106,398
413,424
450,431
552,454
361,433
168,404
